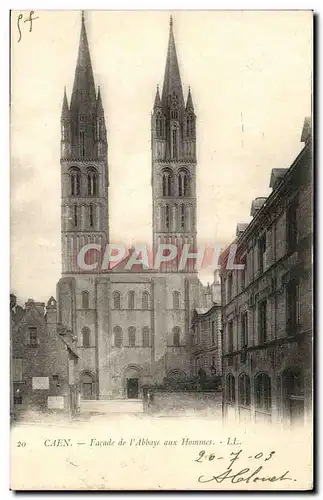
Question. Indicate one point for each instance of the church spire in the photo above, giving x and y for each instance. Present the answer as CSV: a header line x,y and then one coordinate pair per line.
x,y
65,111
157,104
172,80
83,89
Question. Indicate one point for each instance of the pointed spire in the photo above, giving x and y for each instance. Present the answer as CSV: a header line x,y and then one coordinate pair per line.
x,y
99,105
65,111
172,79
83,80
157,103
189,103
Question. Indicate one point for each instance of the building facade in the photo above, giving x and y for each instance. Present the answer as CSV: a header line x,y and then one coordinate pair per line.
x,y
132,325
267,305
44,361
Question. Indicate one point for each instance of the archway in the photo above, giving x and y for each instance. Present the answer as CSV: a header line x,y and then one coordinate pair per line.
x,y
132,381
87,385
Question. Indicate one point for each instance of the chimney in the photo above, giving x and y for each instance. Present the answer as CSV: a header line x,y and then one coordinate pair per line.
x,y
256,205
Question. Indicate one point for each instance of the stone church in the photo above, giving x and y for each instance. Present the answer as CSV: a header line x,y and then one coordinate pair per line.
x,y
132,326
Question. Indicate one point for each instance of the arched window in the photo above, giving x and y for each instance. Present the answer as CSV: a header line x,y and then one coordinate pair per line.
x,y
167,183
183,183
91,215
145,336
159,130
82,143
117,332
86,337
231,389
131,300
116,300
75,182
132,336
145,300
263,392
64,131
182,217
167,216
92,182
85,300
174,142
190,126
75,221
176,299
244,390
176,336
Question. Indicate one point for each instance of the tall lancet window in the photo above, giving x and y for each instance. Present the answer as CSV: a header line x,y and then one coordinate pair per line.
x,y
190,126
82,143
167,216
174,142
159,129
182,183
182,215
75,215
75,178
91,215
64,131
92,182
167,183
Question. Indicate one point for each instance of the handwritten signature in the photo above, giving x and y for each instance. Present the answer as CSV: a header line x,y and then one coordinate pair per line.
x,y
245,476
29,19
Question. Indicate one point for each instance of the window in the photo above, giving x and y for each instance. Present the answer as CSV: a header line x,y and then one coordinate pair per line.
x,y
167,216
75,182
85,300
176,336
132,336
17,397
75,215
82,144
33,336
167,183
82,118
212,332
92,182
159,131
174,114
117,331
91,217
145,300
145,336
182,217
262,253
174,143
291,226
244,390
176,300
85,337
65,131
244,330
231,389
131,300
116,300
230,286
230,336
190,126
182,183
263,392
263,321
293,307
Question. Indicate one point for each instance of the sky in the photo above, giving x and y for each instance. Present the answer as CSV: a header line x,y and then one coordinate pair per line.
x,y
250,78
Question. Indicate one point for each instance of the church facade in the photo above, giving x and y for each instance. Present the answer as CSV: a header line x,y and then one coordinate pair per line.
x,y
132,326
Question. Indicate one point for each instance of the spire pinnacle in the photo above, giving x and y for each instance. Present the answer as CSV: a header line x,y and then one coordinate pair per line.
x,y
172,80
157,103
189,103
65,110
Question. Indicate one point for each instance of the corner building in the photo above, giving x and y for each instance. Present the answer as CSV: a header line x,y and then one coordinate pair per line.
x,y
132,326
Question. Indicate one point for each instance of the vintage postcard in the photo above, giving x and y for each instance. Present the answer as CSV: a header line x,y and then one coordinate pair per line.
x,y
161,250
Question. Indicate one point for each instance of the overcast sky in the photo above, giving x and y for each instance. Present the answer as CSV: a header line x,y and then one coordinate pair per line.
x,y
244,68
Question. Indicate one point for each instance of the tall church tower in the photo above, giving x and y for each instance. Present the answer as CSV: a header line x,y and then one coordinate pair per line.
x,y
173,142
84,165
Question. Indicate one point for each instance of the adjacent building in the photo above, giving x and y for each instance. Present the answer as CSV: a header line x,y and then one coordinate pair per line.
x,y
267,305
44,369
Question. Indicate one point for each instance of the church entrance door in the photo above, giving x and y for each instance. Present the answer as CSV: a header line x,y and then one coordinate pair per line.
x,y
132,388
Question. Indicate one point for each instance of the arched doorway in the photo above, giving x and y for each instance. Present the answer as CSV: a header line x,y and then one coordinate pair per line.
x,y
176,374
87,385
132,381
293,396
